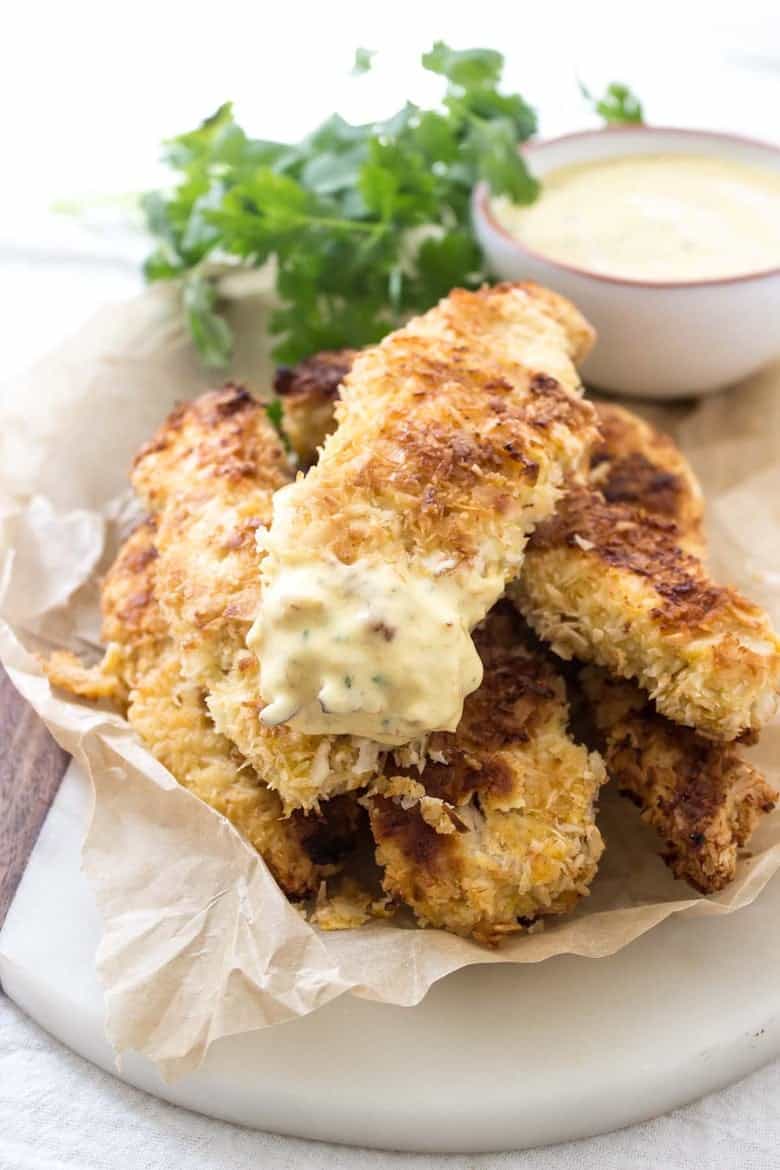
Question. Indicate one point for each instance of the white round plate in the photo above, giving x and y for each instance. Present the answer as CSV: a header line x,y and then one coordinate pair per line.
x,y
495,1058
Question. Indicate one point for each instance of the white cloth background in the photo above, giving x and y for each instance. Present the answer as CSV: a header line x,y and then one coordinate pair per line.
x,y
86,119
57,1112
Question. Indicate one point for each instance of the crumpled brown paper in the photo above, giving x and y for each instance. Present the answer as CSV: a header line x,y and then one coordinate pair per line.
x,y
198,940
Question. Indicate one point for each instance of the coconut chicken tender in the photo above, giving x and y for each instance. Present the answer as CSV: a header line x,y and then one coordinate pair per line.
x,y
209,475
454,436
701,796
168,712
611,581
499,827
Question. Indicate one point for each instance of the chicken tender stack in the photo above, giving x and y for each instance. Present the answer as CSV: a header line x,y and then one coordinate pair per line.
x,y
298,653
454,436
702,797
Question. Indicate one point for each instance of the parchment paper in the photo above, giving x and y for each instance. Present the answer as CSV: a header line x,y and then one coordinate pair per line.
x,y
198,941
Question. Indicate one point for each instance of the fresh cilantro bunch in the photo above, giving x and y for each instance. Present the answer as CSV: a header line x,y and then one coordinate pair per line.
x,y
367,224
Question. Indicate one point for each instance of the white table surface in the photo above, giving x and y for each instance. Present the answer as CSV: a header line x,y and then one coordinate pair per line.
x,y
56,1110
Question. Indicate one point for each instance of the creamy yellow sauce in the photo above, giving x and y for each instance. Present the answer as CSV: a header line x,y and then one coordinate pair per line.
x,y
355,648
670,217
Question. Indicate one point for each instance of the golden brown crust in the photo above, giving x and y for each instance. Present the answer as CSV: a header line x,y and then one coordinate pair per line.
x,y
223,436
312,389
131,615
446,418
688,603
103,681
631,462
619,582
702,797
514,837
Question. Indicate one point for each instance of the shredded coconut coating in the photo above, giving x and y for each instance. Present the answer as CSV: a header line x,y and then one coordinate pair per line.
x,y
453,439
508,833
615,577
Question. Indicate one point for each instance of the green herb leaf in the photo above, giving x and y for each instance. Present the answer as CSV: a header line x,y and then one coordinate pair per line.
x,y
362,63
210,332
618,106
273,410
465,67
499,162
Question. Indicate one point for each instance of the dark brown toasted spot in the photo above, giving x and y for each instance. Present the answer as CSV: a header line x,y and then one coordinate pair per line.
x,y
318,376
434,457
382,628
328,837
466,775
530,468
634,479
544,382
231,399
136,562
406,829
135,606
645,545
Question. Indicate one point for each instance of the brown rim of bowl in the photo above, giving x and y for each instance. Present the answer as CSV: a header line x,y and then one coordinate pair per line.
x,y
481,203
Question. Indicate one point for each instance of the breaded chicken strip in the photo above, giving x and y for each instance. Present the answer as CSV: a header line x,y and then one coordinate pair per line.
x,y
615,578
702,798
169,714
210,474
519,796
453,439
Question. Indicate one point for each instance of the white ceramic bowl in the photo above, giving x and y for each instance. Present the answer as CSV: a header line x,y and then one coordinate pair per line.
x,y
657,339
